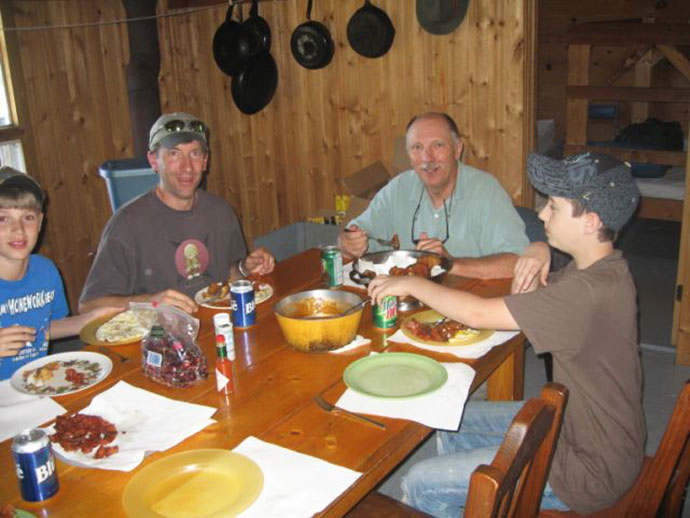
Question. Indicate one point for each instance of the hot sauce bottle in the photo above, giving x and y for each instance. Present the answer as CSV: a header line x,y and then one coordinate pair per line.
x,y
224,383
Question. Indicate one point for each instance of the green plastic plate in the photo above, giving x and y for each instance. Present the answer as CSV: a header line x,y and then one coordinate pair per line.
x,y
395,375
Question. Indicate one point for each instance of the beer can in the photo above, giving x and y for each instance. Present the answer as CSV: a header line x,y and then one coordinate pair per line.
x,y
243,306
35,465
332,266
223,326
385,314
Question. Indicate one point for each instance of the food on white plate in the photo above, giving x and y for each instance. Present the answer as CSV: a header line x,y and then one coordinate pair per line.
x,y
40,376
83,432
218,293
422,268
445,330
122,327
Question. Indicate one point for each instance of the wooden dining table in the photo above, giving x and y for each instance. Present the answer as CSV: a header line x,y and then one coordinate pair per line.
x,y
273,400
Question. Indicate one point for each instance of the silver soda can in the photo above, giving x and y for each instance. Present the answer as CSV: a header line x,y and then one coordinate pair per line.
x,y
223,326
243,306
35,465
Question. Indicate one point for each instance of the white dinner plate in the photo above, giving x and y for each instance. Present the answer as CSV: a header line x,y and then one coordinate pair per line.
x,y
47,376
262,292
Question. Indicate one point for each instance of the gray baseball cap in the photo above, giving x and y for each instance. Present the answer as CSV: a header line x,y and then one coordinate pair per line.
x,y
601,183
173,128
10,177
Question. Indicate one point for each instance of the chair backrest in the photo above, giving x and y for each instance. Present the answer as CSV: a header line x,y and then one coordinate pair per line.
x,y
513,484
662,484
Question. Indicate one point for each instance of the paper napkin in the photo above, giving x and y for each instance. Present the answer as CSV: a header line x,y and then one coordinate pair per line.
x,y
359,341
441,409
295,485
20,411
474,350
145,422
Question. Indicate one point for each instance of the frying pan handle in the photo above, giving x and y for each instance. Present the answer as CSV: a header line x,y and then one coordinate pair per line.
x,y
228,15
254,11
309,4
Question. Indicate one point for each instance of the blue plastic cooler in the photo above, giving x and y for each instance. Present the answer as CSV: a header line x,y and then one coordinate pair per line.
x,y
127,178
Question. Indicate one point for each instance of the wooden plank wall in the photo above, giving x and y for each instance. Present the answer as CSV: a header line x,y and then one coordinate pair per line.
x,y
552,71
282,164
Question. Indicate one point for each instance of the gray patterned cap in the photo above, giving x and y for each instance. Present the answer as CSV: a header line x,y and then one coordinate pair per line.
x,y
601,183
171,129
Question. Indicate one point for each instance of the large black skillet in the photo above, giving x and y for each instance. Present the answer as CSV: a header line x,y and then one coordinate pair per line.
x,y
370,31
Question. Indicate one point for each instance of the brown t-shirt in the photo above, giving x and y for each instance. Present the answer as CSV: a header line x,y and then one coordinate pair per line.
x,y
587,319
148,247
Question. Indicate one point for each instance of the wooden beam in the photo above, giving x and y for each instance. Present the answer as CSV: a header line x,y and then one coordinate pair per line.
x,y
677,59
627,34
629,93
627,63
577,110
642,77
645,156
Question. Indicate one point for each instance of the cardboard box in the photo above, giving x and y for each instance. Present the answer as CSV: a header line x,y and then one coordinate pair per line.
x,y
365,183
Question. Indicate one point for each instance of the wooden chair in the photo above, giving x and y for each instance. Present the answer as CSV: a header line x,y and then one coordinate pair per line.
x,y
513,484
659,490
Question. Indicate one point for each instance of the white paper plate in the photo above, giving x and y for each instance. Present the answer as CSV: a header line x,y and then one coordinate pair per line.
x,y
94,366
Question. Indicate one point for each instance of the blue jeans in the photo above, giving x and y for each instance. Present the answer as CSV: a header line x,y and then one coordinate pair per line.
x,y
439,485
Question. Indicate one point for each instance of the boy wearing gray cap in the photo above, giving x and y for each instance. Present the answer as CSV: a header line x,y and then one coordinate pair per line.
x,y
585,315
173,241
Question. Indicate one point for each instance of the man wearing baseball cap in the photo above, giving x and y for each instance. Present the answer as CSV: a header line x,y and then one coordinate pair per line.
x,y
585,315
176,239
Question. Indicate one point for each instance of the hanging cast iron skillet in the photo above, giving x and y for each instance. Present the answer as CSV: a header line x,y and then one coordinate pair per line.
x,y
230,45
370,31
258,32
254,85
311,43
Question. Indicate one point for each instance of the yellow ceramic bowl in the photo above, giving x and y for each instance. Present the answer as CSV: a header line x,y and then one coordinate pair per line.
x,y
313,320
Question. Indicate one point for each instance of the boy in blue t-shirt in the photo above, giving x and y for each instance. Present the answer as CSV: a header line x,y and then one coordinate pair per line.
x,y
33,307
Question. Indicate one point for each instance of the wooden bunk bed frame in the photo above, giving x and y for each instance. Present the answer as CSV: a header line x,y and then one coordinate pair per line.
x,y
661,38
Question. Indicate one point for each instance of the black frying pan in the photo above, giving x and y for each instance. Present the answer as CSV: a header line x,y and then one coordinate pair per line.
x,y
230,45
370,31
258,32
311,43
254,85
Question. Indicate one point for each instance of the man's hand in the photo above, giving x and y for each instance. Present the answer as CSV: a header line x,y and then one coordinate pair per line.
x,y
13,338
353,241
260,262
431,244
177,299
532,268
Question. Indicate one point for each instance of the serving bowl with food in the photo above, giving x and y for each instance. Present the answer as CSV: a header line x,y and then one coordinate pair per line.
x,y
401,262
319,320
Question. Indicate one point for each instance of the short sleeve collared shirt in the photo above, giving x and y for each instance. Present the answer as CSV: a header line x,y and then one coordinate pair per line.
x,y
481,217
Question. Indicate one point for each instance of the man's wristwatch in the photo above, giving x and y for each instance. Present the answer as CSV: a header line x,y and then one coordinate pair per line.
x,y
241,269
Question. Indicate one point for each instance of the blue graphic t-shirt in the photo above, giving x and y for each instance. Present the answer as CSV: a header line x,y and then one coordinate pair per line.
x,y
33,301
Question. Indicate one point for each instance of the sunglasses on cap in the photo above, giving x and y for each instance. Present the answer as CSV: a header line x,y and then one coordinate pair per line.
x,y
176,125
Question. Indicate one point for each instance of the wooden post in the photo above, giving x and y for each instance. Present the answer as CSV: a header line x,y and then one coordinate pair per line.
x,y
142,71
577,113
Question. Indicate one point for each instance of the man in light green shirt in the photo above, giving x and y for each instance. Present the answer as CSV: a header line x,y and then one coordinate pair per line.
x,y
442,206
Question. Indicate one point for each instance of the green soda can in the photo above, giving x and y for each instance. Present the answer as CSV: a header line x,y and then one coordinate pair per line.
x,y
386,313
332,266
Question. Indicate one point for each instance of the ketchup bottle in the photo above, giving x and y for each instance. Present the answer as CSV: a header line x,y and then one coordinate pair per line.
x,y
224,383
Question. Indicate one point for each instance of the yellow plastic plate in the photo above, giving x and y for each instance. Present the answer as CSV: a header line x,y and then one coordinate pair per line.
x,y
211,483
429,316
88,333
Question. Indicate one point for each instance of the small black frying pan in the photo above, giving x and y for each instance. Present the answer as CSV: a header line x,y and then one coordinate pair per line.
x,y
230,45
258,32
370,31
311,43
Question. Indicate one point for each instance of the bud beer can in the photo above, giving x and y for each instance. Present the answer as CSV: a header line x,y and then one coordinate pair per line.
x,y
35,465
385,314
332,266
243,306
